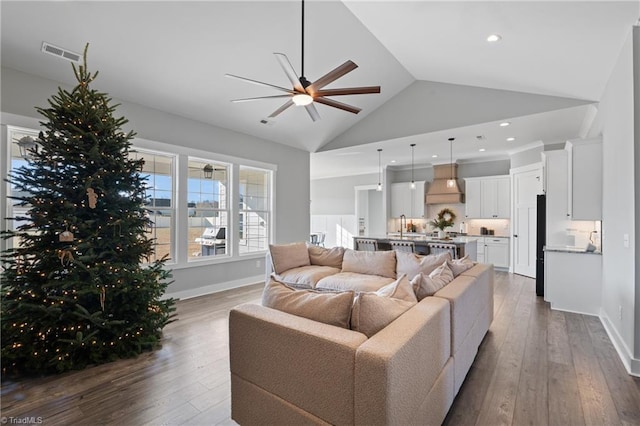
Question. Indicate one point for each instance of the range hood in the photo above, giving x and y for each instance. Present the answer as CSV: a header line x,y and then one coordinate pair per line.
x,y
439,192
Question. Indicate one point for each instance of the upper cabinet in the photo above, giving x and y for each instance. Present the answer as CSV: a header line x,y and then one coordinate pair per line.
x,y
407,201
488,197
584,199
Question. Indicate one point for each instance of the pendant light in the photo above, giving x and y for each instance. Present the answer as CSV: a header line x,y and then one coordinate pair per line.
x,y
451,182
413,182
379,170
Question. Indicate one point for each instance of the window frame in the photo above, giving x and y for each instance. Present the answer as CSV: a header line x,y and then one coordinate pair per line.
x,y
180,154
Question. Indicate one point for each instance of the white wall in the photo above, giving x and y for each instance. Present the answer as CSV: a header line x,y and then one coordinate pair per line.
x,y
615,121
22,92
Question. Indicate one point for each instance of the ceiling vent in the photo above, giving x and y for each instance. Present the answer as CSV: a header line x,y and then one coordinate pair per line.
x,y
60,52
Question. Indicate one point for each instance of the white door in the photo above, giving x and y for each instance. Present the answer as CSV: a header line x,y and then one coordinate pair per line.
x,y
527,183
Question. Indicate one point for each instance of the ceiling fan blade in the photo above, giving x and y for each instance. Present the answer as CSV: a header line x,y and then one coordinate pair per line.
x,y
282,108
260,98
331,76
289,71
260,83
336,104
349,91
313,112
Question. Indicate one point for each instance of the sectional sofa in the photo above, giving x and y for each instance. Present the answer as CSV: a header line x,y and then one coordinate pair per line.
x,y
291,364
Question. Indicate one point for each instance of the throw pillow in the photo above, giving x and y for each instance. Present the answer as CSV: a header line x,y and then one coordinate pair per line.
x,y
399,289
382,263
326,257
374,311
458,266
328,308
414,264
428,285
287,256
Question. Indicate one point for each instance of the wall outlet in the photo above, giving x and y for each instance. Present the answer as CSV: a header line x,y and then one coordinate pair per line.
x,y
258,263
620,312
625,240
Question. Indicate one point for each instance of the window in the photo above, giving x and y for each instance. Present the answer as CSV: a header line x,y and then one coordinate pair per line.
x,y
160,204
255,209
191,200
26,139
207,208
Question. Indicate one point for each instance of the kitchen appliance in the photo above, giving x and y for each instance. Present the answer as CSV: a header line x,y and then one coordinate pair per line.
x,y
484,231
541,232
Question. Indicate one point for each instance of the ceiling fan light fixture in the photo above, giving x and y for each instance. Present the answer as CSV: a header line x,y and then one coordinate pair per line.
x,y
302,99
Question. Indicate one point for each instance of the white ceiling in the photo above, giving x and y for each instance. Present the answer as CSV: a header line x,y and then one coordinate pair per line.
x,y
173,56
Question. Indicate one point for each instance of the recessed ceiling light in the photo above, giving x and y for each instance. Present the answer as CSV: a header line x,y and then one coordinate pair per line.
x,y
393,161
434,156
482,150
504,124
494,37
511,139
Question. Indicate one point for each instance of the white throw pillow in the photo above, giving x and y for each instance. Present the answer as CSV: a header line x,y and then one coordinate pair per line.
x,y
414,264
373,311
428,285
458,266
399,289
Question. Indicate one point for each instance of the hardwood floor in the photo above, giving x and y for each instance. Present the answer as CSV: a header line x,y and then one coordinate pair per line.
x,y
534,367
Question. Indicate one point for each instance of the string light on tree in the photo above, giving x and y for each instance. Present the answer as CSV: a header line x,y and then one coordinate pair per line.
x,y
75,292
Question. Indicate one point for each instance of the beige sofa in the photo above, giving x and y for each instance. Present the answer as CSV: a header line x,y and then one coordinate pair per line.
x,y
286,369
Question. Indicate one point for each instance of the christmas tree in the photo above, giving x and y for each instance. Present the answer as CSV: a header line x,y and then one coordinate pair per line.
x,y
78,288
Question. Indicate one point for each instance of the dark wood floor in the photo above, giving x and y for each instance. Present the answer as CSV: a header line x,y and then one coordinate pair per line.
x,y
535,367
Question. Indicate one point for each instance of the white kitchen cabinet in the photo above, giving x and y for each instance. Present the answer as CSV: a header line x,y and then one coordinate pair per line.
x,y
473,200
488,197
573,281
496,251
407,201
493,250
585,179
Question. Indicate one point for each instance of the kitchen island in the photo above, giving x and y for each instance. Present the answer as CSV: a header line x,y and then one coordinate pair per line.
x,y
464,245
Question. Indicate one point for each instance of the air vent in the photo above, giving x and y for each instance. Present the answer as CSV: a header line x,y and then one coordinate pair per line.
x,y
60,52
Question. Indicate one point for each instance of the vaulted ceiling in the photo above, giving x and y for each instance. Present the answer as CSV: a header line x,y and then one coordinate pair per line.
x,y
440,78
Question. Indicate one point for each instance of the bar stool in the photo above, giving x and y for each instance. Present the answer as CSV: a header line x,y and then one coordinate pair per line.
x,y
405,246
437,248
365,244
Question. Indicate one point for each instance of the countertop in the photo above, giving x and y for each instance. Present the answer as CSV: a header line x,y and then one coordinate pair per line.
x,y
568,249
422,238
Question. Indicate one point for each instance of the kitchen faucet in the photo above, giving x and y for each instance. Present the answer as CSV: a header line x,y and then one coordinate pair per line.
x,y
401,225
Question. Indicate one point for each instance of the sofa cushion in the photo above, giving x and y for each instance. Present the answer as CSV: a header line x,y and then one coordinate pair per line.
x,y
353,281
287,256
306,276
382,263
374,311
328,308
414,264
326,257
458,266
428,285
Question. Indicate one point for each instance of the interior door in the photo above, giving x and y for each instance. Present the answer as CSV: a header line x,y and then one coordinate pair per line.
x,y
527,183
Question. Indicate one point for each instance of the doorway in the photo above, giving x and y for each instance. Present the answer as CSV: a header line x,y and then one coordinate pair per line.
x,y
526,183
370,211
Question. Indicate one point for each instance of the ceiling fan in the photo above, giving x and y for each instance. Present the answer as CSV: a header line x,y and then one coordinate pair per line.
x,y
306,93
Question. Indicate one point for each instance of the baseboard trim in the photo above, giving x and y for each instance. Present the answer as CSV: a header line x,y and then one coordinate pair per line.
x,y
630,363
214,288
